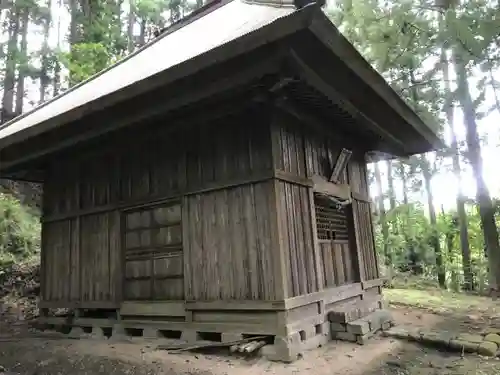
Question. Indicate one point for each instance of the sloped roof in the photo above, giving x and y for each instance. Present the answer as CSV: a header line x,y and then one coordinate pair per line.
x,y
224,30
228,22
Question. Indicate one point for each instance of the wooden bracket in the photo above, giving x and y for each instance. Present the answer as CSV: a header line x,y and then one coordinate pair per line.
x,y
340,165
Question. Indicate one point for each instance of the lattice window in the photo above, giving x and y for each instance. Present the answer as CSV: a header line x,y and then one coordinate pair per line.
x,y
331,219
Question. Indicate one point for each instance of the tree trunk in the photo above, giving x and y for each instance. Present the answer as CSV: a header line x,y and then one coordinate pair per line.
x,y
10,67
23,30
462,214
57,65
413,259
390,181
73,35
486,209
433,220
142,35
44,71
130,27
382,217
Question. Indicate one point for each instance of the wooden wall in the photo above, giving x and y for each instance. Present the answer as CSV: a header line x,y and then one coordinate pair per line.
x,y
220,171
246,231
311,264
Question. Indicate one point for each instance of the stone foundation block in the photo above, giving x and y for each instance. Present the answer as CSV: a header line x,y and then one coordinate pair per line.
x,y
308,333
189,336
363,339
97,334
386,326
119,333
359,327
338,327
150,333
344,336
76,332
325,329
284,349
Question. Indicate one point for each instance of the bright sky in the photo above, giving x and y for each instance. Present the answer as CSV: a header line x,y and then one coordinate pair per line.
x,y
443,183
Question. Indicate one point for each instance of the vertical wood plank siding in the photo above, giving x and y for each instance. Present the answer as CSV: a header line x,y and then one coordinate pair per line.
x,y
226,231
240,236
302,152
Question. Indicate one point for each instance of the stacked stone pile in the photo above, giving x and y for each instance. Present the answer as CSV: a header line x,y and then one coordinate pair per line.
x,y
361,329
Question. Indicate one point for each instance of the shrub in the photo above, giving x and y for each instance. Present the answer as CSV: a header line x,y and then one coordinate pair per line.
x,y
19,231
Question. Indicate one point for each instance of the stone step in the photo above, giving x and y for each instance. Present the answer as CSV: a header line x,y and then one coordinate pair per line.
x,y
362,329
353,311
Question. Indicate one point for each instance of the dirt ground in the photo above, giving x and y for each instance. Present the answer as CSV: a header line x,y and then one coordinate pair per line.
x,y
23,352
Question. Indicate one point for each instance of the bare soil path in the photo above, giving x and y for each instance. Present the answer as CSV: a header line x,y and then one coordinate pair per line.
x,y
24,352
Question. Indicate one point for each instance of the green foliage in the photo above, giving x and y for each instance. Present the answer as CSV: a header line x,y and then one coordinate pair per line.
x,y
19,231
410,229
85,60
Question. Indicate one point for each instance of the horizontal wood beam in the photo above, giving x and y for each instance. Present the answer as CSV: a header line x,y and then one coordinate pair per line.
x,y
259,177
321,185
292,178
361,197
329,295
79,304
153,308
167,197
368,284
78,322
236,305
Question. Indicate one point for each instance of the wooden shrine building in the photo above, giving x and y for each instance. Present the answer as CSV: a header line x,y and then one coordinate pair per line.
x,y
213,184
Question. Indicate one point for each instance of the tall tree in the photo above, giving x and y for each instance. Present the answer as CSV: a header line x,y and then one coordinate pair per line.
x,y
465,51
10,64
455,156
382,216
46,19
22,57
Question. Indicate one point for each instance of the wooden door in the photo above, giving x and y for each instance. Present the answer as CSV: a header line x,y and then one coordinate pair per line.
x,y
152,250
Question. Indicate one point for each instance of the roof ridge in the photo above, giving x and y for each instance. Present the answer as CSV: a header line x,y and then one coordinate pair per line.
x,y
210,6
298,4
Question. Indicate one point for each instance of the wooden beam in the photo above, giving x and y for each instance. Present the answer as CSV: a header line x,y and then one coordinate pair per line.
x,y
292,178
153,308
165,197
79,304
321,185
329,295
367,284
312,78
236,305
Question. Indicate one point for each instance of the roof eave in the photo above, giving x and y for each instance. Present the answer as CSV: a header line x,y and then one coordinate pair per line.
x,y
333,39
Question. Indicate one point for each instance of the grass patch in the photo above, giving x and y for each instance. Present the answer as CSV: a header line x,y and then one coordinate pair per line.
x,y
442,301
